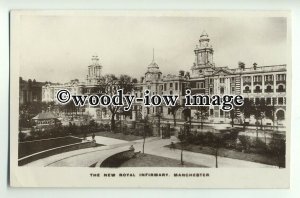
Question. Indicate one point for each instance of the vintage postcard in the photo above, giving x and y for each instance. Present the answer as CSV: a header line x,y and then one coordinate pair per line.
x,y
150,99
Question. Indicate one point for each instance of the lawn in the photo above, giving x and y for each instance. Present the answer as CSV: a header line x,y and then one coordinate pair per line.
x,y
119,136
223,152
31,147
146,160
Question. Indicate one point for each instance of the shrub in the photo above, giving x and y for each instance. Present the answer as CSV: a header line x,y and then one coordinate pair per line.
x,y
244,143
259,146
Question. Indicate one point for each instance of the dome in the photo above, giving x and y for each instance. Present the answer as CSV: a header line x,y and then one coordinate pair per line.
x,y
153,68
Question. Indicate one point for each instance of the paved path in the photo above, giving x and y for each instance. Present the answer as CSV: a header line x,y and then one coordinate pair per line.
x,y
157,148
154,146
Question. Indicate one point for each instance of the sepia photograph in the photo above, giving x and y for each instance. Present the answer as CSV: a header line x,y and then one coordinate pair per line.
x,y
91,93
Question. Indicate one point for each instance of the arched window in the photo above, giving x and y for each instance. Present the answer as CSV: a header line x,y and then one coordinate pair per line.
x,y
257,89
269,89
280,115
247,89
281,88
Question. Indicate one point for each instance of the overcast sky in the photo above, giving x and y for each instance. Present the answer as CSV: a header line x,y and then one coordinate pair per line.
x,y
59,48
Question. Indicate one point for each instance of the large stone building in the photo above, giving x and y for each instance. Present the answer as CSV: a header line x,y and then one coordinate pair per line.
x,y
30,91
255,83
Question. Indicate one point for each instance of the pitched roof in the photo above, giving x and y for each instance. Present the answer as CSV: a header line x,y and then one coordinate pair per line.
x,y
45,116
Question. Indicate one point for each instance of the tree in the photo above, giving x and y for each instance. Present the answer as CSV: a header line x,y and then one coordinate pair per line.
x,y
233,115
173,111
260,110
159,116
183,137
202,114
110,84
217,143
146,131
247,110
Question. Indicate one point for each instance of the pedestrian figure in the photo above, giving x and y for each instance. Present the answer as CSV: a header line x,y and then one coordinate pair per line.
x,y
131,148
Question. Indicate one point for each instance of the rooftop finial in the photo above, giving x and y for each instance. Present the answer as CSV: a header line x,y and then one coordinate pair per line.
x,y
153,55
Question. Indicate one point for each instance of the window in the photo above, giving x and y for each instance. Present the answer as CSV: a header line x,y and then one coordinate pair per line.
x,y
247,79
211,80
232,79
171,85
280,101
257,78
176,86
268,101
247,89
257,89
280,88
211,90
222,80
199,85
165,86
221,112
280,77
232,89
268,78
222,90
202,85
275,101
171,92
269,89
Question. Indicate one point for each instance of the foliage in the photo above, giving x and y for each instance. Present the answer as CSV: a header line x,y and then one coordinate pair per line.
x,y
245,142
277,149
202,114
110,84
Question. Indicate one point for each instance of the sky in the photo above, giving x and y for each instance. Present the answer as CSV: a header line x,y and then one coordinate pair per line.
x,y
59,48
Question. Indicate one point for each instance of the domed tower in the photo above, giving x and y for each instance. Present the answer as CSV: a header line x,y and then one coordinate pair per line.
x,y
94,71
153,73
203,54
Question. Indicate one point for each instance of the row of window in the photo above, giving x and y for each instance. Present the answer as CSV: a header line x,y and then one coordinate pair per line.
x,y
267,78
268,89
268,100
170,86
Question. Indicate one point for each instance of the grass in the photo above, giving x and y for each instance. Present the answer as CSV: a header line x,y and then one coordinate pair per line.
x,y
31,147
119,136
146,160
223,152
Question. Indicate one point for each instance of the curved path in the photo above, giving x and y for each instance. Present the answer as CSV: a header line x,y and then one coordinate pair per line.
x,y
154,146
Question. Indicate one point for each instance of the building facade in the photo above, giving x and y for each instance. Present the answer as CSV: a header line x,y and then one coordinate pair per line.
x,y
30,91
254,83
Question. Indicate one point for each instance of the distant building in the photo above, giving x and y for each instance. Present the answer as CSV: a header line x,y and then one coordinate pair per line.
x,y
30,91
